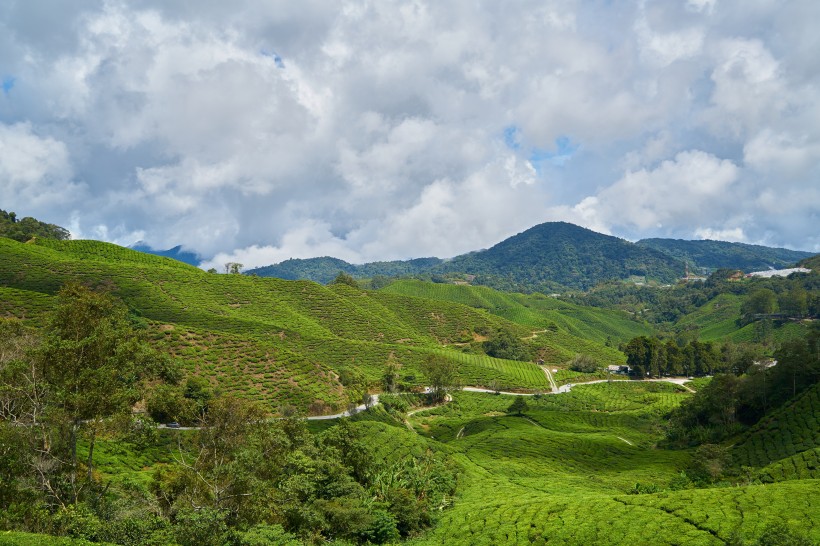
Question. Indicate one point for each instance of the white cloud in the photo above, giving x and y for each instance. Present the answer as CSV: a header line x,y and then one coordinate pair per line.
x,y
373,130
679,192
35,172
733,234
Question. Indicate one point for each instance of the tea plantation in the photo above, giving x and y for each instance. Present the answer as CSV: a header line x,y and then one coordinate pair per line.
x,y
588,466
568,470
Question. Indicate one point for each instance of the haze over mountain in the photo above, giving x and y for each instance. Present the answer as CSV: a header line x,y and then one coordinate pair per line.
x,y
176,253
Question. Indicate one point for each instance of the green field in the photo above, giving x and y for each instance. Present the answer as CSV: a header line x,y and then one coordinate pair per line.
x,y
563,474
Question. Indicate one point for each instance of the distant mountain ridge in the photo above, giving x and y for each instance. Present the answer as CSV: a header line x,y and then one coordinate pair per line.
x,y
325,269
554,257
721,254
547,257
176,253
564,254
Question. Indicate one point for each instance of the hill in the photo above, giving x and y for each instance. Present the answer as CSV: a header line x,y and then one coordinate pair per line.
x,y
561,329
558,253
281,342
24,229
324,269
723,255
546,258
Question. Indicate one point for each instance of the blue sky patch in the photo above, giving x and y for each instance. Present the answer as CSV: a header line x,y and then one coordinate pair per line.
x,y
8,83
275,56
512,137
563,152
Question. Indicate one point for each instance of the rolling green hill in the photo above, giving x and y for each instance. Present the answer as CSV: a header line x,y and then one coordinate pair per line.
x,y
721,254
582,467
283,342
561,329
569,470
324,269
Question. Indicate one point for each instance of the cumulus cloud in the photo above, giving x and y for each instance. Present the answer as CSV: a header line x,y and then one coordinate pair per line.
x,y
35,170
373,130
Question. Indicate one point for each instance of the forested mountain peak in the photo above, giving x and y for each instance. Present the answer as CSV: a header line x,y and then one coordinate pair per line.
x,y
566,254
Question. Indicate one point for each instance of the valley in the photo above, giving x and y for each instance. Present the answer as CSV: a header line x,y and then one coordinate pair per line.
x,y
513,444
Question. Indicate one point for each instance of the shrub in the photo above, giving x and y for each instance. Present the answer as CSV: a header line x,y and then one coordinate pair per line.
x,y
583,363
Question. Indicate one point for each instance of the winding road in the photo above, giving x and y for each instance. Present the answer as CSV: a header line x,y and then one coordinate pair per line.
x,y
555,390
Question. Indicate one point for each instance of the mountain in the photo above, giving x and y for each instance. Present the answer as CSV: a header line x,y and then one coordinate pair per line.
x,y
175,253
721,254
548,257
558,253
324,269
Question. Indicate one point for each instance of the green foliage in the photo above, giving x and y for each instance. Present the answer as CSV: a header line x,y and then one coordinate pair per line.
x,y
519,406
505,345
442,376
324,270
557,253
720,254
344,278
26,228
583,363
780,534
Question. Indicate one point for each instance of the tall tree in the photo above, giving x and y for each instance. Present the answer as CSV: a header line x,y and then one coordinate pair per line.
x,y
442,375
93,361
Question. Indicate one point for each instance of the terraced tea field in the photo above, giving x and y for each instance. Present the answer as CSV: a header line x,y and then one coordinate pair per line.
x,y
563,474
281,342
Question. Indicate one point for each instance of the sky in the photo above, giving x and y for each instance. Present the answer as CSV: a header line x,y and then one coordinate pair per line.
x,y
256,131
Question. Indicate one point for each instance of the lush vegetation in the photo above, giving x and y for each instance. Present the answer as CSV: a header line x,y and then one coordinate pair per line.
x,y
323,270
91,332
586,468
711,255
546,258
24,229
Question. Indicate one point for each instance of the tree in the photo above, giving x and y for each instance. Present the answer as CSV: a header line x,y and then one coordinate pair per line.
x,y
505,345
93,362
442,374
390,379
583,363
519,406
760,302
344,278
233,268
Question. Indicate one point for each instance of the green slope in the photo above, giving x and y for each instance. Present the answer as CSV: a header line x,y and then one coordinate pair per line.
x,y
563,254
283,342
789,431
561,329
721,254
562,473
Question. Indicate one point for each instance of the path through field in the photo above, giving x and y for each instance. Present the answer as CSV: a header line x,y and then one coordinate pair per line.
x,y
553,385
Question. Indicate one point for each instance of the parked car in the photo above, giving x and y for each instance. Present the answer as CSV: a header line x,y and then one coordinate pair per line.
x,y
172,425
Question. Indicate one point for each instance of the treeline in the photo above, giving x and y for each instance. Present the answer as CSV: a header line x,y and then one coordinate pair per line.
x,y
24,229
732,401
238,478
655,358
